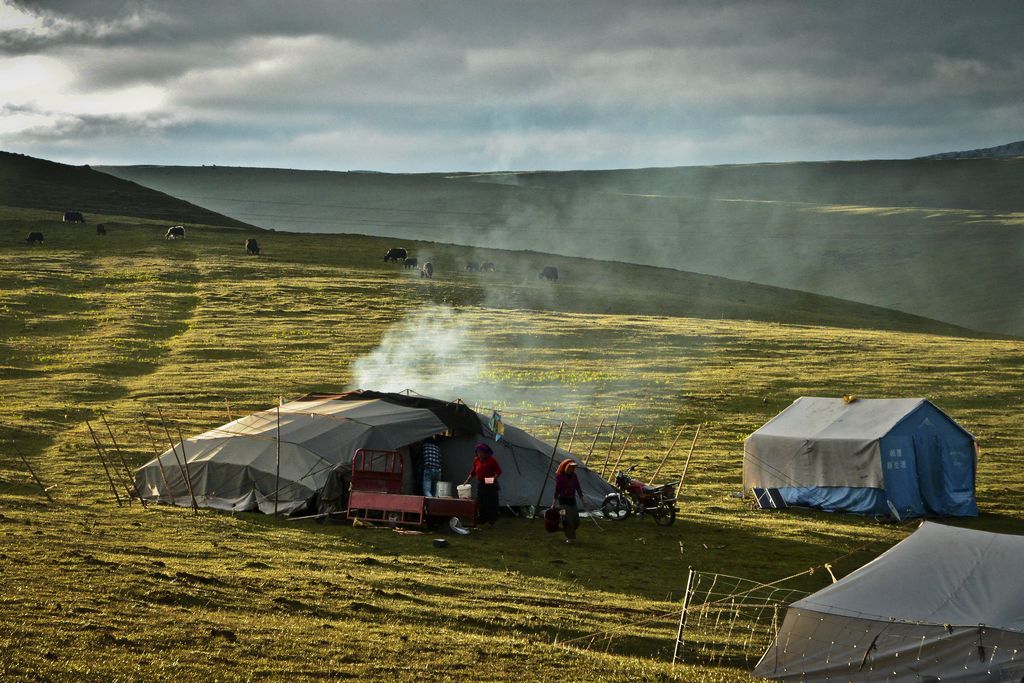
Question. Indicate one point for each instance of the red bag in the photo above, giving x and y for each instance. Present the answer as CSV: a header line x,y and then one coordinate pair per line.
x,y
552,520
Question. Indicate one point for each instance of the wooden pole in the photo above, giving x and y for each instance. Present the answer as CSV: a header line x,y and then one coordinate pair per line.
x,y
667,453
124,463
575,426
106,469
692,445
676,654
277,477
611,443
188,474
36,477
624,444
118,473
228,407
551,461
159,462
594,442
183,468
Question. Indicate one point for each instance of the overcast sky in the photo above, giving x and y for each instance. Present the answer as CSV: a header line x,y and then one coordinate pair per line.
x,y
476,85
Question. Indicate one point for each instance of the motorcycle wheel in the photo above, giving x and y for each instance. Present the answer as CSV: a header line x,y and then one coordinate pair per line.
x,y
616,507
664,514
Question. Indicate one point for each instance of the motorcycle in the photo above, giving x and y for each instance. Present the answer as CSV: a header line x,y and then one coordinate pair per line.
x,y
636,497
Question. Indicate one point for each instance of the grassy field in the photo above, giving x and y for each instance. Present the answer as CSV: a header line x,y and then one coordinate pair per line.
x,y
130,322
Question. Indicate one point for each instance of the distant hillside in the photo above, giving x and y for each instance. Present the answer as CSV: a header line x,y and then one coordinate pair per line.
x,y
1012,149
959,265
982,184
39,184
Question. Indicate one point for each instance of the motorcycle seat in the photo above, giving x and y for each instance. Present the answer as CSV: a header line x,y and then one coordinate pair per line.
x,y
651,489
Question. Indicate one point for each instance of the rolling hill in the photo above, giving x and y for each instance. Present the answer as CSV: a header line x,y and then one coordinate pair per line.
x,y
938,239
40,184
587,285
1011,149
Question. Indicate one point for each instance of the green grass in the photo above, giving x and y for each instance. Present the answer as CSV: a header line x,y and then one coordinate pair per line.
x,y
130,322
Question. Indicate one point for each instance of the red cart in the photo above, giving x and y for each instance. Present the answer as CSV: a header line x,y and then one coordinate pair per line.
x,y
376,494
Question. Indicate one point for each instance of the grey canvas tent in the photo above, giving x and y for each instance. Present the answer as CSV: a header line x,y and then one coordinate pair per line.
x,y
945,604
866,456
234,467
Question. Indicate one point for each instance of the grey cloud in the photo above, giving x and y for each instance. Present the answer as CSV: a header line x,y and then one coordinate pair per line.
x,y
700,80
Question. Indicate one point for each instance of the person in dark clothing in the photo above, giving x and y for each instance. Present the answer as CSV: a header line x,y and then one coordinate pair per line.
x,y
486,470
567,487
430,451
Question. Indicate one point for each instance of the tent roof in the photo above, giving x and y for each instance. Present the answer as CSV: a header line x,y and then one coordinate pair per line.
x,y
937,575
833,418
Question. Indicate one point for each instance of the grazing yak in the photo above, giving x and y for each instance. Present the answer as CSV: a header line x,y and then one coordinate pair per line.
x,y
176,232
34,238
396,254
427,270
101,229
549,273
73,217
252,247
472,266
487,267
411,262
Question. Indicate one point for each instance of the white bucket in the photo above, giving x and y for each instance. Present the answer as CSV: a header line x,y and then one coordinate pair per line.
x,y
465,490
444,489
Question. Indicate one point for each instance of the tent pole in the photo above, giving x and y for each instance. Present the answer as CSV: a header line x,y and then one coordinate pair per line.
x,y
36,478
182,468
277,476
551,461
228,407
124,463
594,442
575,426
667,453
188,474
611,443
624,444
159,462
106,469
692,446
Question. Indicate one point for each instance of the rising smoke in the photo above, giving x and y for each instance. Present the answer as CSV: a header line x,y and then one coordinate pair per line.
x,y
430,352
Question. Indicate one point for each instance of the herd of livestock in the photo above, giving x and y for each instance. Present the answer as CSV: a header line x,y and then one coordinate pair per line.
x,y
252,248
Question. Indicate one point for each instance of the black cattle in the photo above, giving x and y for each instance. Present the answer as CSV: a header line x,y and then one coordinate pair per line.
x,y
549,273
472,266
176,232
487,267
427,270
34,238
73,217
252,247
411,262
101,229
396,254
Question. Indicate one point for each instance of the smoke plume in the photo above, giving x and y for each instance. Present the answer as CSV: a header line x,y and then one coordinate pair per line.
x,y
430,352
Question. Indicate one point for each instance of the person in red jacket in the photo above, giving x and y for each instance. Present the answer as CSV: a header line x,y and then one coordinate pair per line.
x,y
567,487
486,470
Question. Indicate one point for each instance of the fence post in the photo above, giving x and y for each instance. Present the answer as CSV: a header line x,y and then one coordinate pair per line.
x,y
682,616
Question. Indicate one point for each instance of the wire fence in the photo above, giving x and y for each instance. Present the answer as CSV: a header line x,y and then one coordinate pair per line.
x,y
728,620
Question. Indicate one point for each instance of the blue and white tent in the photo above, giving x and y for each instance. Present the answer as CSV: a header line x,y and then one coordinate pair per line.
x,y
866,456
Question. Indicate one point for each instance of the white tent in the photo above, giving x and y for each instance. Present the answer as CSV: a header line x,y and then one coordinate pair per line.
x,y
235,466
945,604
